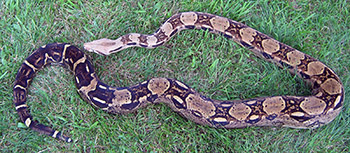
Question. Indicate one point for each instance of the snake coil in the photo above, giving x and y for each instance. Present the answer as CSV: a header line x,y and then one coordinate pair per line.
x,y
288,111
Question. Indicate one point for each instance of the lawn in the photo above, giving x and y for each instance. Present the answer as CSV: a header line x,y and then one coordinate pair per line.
x,y
211,64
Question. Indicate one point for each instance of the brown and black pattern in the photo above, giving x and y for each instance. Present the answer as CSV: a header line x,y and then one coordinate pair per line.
x,y
288,111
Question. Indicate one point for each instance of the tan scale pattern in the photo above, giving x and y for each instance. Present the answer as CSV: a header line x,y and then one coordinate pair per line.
x,y
274,105
315,68
294,57
196,103
121,97
188,18
313,106
270,46
332,86
167,28
219,23
158,85
247,35
240,111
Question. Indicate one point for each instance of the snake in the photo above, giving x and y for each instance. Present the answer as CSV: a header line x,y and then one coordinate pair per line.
x,y
305,112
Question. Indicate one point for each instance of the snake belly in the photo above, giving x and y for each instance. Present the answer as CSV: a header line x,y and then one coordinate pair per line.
x,y
288,111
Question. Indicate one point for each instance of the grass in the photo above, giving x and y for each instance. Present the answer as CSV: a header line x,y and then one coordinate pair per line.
x,y
209,63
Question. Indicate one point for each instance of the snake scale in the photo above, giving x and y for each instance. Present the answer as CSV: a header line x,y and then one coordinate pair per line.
x,y
288,111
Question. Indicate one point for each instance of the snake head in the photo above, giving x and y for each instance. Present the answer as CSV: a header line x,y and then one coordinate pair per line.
x,y
102,46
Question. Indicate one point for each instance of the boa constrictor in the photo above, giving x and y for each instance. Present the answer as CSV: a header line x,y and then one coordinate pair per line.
x,y
288,111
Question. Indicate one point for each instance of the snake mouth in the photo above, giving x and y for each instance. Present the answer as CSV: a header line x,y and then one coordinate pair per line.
x,y
88,48
98,52
95,51
92,50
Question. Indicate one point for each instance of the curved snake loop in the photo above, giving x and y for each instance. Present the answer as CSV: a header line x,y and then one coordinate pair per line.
x,y
288,111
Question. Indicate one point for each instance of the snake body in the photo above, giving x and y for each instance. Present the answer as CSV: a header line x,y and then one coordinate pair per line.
x,y
288,111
